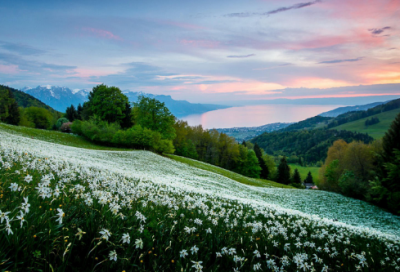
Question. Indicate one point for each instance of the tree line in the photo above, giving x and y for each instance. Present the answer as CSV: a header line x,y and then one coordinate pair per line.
x,y
368,172
357,115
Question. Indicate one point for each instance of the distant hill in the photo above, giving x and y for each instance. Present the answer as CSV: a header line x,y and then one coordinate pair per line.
x,y
25,100
62,97
341,110
178,108
309,123
376,131
247,133
311,145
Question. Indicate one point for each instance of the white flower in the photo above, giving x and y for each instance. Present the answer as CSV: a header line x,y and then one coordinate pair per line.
x,y
60,215
14,187
208,230
218,254
80,233
21,217
105,234
257,253
25,206
3,215
198,221
126,238
28,178
197,265
139,243
194,249
183,253
113,255
257,267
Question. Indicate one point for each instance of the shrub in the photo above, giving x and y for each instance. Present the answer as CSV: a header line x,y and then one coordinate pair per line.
x,y
66,127
61,121
352,186
76,127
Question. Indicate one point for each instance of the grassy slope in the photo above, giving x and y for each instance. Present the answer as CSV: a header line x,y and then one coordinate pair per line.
x,y
228,174
376,131
56,137
304,171
77,141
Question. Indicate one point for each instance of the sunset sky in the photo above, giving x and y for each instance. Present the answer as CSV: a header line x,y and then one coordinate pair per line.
x,y
205,51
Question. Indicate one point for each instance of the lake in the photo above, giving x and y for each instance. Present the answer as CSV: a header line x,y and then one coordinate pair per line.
x,y
256,115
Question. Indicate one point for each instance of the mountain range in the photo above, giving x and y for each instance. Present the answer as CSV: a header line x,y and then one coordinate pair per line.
x,y
60,98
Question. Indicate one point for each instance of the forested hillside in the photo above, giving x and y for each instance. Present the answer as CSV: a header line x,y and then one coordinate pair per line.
x,y
309,123
311,145
25,100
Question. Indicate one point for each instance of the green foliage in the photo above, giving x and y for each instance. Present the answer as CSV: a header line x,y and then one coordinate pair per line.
x,y
332,176
309,178
99,131
283,174
372,121
40,117
312,145
357,115
126,122
61,121
376,131
71,113
25,100
309,123
352,186
391,140
296,179
264,168
270,163
9,112
108,103
153,114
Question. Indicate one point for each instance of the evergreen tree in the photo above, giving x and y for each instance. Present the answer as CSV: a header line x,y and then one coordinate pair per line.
x,y
244,143
309,178
264,168
283,172
9,112
391,140
79,110
71,113
296,177
126,122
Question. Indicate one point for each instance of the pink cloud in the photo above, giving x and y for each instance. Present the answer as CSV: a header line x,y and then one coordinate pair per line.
x,y
9,69
102,33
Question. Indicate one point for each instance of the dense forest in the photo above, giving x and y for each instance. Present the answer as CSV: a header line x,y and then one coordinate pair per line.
x,y
309,123
310,145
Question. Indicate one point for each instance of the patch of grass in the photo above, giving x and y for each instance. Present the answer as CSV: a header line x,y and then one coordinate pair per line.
x,y
303,171
56,137
229,174
376,131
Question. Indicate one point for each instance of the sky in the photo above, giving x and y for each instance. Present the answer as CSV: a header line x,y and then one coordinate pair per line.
x,y
205,51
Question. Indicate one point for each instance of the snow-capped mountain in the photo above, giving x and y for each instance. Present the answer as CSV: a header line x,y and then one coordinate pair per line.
x,y
60,98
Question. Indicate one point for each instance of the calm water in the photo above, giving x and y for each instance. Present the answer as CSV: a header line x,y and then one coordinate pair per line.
x,y
258,115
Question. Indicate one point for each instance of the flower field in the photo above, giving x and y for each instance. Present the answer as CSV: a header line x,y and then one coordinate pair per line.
x,y
66,209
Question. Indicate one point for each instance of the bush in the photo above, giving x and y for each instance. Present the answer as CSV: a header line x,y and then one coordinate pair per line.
x,y
352,186
41,117
76,127
66,127
60,122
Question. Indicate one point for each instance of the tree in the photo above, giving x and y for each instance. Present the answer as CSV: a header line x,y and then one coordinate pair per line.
x,y
153,114
391,140
296,177
126,122
264,168
79,110
309,178
283,175
41,117
108,103
9,112
61,121
71,113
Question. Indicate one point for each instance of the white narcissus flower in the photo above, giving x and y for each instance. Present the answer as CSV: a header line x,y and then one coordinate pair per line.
x,y
14,187
113,255
60,215
183,253
126,238
139,243
105,234
28,178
